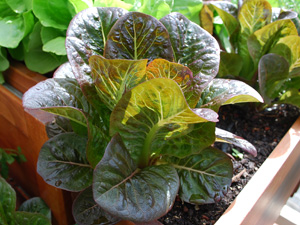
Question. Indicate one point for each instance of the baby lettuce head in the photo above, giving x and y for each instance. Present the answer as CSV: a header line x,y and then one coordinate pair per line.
x,y
136,108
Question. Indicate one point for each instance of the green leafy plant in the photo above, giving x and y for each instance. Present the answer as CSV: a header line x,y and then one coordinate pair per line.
x,y
261,47
8,156
136,109
33,211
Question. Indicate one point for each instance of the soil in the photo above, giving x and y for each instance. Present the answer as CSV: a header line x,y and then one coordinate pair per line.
x,y
264,129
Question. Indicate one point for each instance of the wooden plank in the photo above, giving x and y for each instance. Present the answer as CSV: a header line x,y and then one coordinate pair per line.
x,y
19,128
266,193
20,77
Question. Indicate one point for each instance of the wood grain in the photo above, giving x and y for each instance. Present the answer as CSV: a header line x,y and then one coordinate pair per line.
x,y
20,129
263,197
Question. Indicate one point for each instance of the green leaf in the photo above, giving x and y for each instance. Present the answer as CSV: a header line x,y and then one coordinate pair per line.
x,y
59,96
253,15
62,162
1,78
291,96
230,64
130,193
206,19
36,205
155,8
14,27
224,91
113,77
193,46
50,33
18,6
190,9
154,112
80,5
27,218
225,136
87,35
273,71
54,13
56,46
113,3
204,177
17,53
289,48
224,9
38,60
7,201
4,63
161,68
262,41
87,211
138,36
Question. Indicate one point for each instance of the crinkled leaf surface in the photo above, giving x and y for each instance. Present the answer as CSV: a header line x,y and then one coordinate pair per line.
x,y
53,13
289,48
36,205
7,201
224,91
58,96
230,64
273,71
130,193
193,46
253,15
64,71
28,218
113,77
204,177
57,126
223,135
161,68
153,112
264,39
62,162
138,36
87,211
87,35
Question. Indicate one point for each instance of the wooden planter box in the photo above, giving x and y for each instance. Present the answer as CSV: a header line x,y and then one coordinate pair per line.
x,y
259,202
19,129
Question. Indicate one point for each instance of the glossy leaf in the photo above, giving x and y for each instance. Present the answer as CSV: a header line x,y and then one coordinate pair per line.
x,y
161,68
230,64
264,39
253,15
87,35
7,201
113,77
139,194
36,205
224,91
18,6
206,19
58,96
14,27
204,177
62,162
154,112
53,13
138,36
64,71
50,33
57,126
225,136
273,71
193,46
27,218
86,211
289,48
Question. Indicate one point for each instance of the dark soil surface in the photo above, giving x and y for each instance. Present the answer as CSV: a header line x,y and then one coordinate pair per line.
x,y
264,130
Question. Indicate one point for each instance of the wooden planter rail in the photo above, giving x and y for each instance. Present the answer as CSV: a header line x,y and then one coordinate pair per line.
x,y
19,129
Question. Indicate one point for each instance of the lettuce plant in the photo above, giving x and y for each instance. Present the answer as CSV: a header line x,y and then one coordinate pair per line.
x,y
261,47
136,108
32,211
